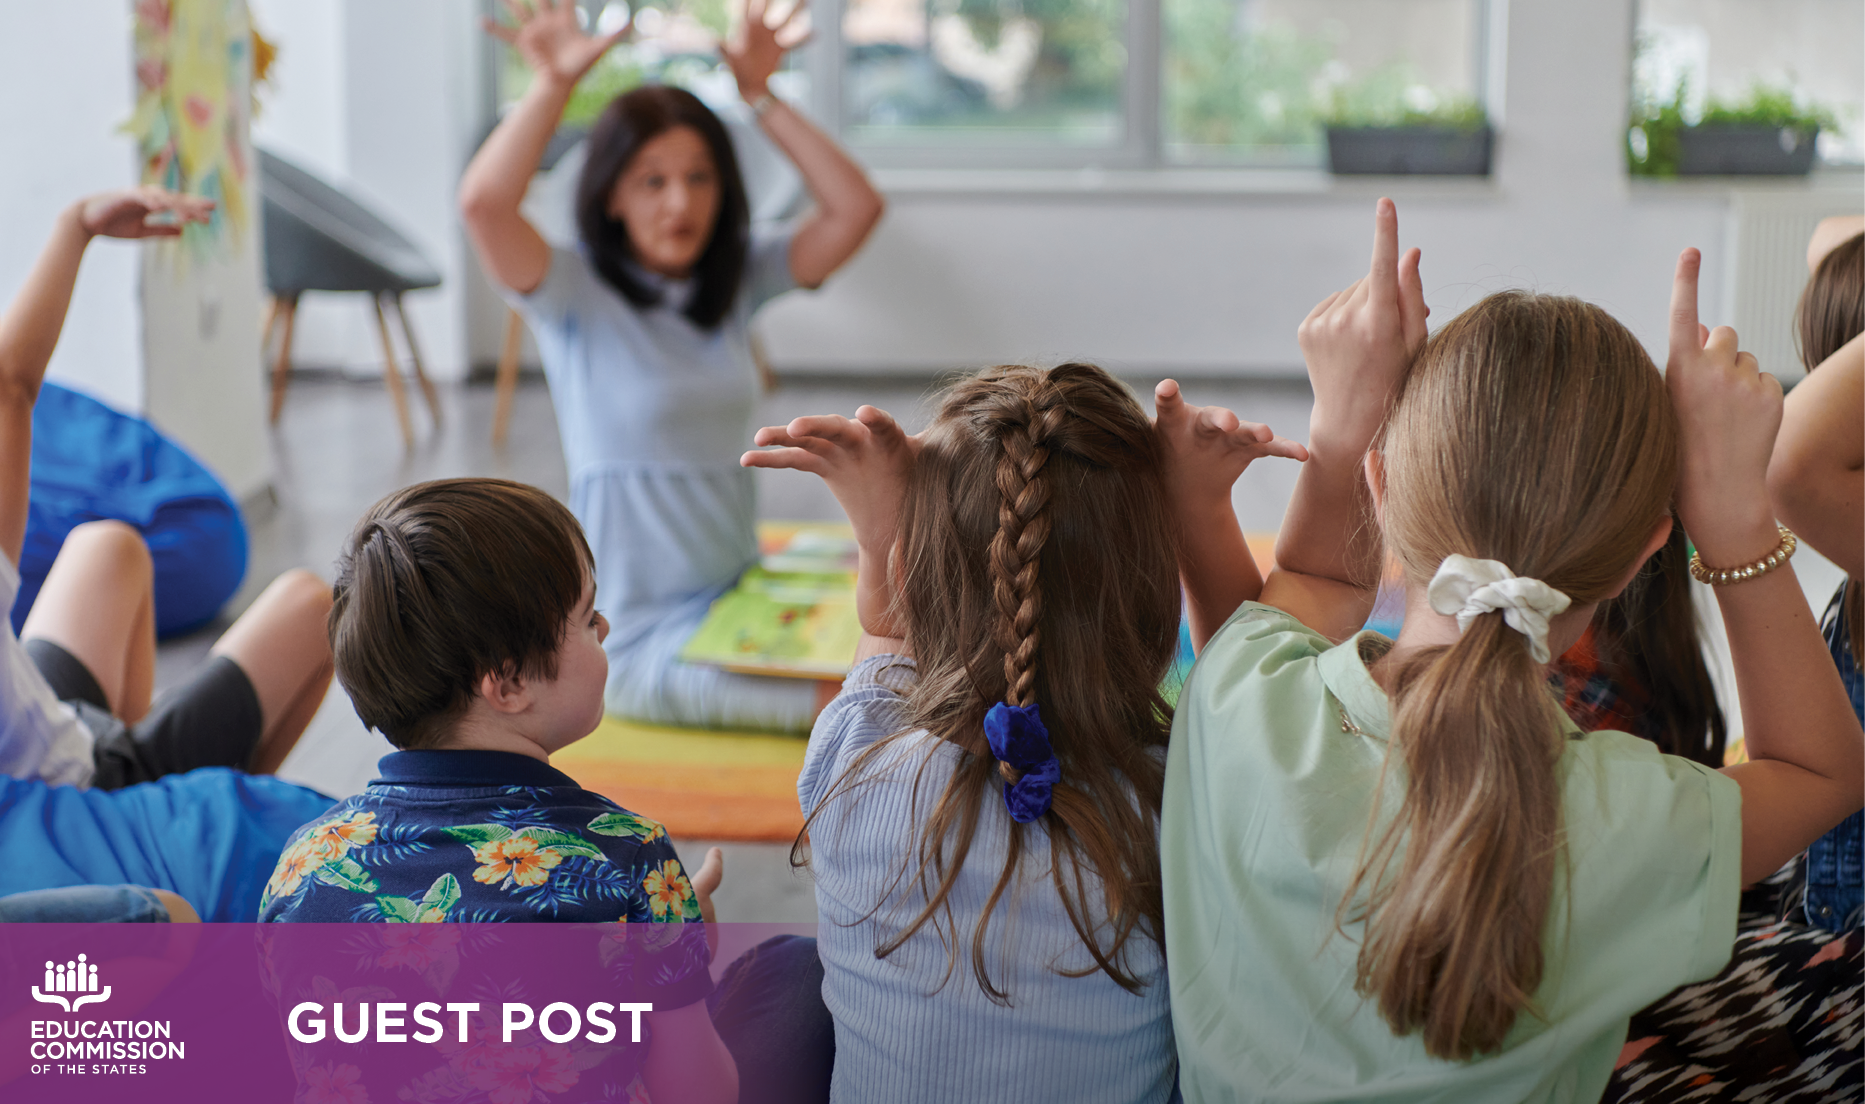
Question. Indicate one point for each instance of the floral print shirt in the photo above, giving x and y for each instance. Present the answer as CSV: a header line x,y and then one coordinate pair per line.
x,y
474,836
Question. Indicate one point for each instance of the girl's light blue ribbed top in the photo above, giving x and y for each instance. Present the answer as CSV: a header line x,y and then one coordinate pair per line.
x,y
900,1035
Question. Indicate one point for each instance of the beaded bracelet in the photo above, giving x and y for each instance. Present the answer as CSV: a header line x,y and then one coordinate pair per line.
x,y
1725,576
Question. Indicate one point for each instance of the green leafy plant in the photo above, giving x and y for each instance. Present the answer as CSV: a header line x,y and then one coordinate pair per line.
x,y
1652,140
1393,97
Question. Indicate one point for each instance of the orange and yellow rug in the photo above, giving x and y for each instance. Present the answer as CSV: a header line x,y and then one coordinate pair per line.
x,y
710,784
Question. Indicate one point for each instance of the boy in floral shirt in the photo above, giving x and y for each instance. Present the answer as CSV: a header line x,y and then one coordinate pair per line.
x,y
464,628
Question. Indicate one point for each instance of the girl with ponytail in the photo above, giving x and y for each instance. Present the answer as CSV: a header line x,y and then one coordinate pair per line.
x,y
1395,870
983,796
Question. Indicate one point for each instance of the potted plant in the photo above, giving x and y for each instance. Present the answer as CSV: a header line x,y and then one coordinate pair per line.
x,y
1376,129
1767,134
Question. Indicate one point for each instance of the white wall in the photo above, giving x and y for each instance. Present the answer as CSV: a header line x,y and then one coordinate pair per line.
x,y
382,99
66,74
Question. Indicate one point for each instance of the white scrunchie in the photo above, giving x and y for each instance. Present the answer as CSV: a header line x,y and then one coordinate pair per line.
x,y
1468,588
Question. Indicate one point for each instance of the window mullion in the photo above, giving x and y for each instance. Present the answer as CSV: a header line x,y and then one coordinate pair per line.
x,y
823,60
1142,87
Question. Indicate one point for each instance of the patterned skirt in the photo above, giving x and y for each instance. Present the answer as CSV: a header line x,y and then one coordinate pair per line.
x,y
1782,1024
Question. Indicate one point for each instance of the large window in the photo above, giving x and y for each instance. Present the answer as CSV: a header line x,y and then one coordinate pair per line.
x,y
1255,80
993,72
1703,54
1115,83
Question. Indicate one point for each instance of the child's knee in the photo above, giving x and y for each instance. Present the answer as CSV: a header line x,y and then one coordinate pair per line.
x,y
302,593
114,545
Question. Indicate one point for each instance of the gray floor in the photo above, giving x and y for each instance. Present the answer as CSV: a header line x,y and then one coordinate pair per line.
x,y
336,451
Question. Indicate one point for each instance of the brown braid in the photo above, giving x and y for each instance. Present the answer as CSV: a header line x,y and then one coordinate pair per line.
x,y
1016,549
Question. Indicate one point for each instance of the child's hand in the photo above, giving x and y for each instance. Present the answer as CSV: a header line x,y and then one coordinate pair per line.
x,y
1729,411
865,461
1359,342
1205,448
127,213
705,882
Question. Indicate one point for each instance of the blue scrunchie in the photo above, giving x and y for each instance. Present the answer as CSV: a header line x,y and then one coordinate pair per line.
x,y
1017,737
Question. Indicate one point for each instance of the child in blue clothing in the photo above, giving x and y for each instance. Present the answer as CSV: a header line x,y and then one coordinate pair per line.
x,y
1815,479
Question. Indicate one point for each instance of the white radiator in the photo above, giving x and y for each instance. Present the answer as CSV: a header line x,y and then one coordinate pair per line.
x,y
1768,232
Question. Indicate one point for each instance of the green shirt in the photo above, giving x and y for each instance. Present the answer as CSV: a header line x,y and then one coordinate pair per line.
x,y
1275,762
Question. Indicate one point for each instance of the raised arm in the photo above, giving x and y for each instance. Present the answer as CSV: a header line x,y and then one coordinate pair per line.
x,y
559,53
29,330
847,206
1817,475
1205,449
1806,768
1358,343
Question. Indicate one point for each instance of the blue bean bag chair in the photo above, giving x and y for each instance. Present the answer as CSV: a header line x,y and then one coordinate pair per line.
x,y
92,463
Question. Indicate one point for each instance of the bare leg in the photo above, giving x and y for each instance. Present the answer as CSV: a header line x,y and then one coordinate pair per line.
x,y
179,910
283,645
98,603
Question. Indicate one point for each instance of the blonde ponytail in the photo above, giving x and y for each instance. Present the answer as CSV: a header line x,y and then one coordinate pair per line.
x,y
1455,950
1533,430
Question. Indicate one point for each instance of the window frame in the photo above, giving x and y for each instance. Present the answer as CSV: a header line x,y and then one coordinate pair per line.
x,y
1141,147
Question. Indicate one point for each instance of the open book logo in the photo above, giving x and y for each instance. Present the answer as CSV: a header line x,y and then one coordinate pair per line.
x,y
71,985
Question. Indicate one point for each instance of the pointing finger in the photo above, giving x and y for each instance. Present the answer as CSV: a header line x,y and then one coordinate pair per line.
x,y
1384,277
1685,329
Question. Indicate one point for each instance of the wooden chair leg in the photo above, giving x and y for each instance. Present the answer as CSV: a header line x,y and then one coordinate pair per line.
x,y
414,354
391,375
767,376
271,323
287,306
507,381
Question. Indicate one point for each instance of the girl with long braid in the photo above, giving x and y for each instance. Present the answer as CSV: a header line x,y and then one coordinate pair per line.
x,y
983,796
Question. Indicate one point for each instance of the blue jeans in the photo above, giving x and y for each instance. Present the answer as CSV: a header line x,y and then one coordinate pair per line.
x,y
91,904
769,1012
1836,861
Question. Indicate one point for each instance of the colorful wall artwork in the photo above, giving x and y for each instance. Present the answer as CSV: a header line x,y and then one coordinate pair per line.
x,y
194,71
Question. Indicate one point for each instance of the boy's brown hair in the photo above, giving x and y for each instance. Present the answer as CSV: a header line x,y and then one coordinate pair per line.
x,y
442,583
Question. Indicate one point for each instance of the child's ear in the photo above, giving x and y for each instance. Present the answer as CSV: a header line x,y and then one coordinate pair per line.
x,y
504,691
1374,466
1660,535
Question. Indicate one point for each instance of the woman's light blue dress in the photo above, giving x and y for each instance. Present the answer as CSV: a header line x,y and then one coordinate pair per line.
x,y
654,413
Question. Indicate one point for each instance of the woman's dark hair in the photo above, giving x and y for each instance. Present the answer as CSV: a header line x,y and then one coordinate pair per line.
x,y
1831,313
440,584
1647,638
627,124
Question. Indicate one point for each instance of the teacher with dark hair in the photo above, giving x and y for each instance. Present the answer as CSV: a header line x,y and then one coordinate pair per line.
x,y
642,329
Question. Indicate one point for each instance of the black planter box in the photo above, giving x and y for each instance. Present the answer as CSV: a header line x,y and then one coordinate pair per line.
x,y
1745,151
1427,150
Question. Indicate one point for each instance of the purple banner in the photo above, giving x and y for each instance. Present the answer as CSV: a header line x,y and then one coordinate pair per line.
x,y
361,1013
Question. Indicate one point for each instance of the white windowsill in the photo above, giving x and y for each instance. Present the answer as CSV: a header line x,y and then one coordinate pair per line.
x,y
1185,182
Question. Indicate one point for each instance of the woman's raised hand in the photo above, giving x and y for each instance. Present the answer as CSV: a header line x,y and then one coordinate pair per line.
x,y
128,213
1729,411
1360,341
1205,448
546,34
758,45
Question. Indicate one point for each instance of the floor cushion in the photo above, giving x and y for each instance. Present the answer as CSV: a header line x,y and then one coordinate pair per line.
x,y
92,463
